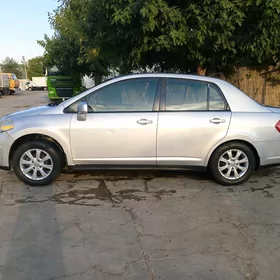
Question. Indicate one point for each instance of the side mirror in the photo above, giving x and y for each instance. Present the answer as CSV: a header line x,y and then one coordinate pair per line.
x,y
82,111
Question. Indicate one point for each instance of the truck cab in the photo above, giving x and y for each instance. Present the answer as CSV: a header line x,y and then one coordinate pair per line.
x,y
62,85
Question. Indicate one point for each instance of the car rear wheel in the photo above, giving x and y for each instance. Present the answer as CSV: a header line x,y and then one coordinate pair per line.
x,y
37,163
232,163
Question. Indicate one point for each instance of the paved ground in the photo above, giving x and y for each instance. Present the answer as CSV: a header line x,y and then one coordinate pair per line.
x,y
21,100
124,225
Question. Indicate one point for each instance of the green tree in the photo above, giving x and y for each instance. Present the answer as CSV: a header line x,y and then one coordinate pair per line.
x,y
69,49
11,66
164,35
35,67
259,35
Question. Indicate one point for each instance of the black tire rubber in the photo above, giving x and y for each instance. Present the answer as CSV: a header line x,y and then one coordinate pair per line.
x,y
213,164
6,91
50,148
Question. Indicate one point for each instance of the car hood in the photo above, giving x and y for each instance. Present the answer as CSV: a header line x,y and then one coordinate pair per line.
x,y
28,112
273,109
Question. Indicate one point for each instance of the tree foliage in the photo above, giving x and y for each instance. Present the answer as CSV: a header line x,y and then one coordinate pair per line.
x,y
35,67
259,35
9,65
165,35
69,49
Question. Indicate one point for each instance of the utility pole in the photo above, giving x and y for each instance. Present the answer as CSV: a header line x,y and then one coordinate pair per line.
x,y
24,65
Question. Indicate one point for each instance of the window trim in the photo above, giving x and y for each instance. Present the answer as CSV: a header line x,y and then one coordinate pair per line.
x,y
155,107
163,96
227,107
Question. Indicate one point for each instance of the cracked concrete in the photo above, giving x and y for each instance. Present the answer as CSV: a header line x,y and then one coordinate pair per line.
x,y
139,225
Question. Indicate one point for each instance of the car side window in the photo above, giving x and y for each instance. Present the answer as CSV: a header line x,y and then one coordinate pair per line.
x,y
186,95
125,96
216,102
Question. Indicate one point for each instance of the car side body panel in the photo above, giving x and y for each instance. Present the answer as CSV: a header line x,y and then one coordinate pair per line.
x,y
114,138
259,130
185,138
54,126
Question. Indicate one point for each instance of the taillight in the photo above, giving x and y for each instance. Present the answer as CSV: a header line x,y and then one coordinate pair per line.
x,y
277,126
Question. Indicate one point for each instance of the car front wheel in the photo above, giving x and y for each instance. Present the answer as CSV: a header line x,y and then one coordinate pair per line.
x,y
232,163
37,163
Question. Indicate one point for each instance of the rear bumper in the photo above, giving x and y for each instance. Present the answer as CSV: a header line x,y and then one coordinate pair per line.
x,y
269,153
5,145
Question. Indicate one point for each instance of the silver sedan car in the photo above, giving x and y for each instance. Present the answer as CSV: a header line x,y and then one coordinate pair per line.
x,y
144,121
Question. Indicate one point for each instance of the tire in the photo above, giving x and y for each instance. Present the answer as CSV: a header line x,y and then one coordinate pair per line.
x,y
30,89
53,164
6,91
221,158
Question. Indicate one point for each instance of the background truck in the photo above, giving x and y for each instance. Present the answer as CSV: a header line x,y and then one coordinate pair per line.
x,y
62,85
8,83
37,83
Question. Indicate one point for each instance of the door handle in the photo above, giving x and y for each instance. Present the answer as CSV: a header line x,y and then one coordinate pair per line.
x,y
144,121
217,120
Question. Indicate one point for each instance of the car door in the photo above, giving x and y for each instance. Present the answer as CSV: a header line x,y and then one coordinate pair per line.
x,y
120,127
194,116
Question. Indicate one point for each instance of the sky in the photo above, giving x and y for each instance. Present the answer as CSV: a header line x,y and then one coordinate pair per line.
x,y
22,24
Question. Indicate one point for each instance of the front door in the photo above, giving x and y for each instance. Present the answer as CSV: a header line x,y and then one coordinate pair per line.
x,y
121,125
193,119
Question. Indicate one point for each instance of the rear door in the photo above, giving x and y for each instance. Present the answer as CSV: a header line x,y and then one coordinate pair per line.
x,y
194,116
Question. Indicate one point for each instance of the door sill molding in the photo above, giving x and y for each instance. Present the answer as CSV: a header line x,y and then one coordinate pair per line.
x,y
133,167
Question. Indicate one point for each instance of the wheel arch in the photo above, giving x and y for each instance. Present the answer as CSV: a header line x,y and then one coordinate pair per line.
x,y
35,136
250,145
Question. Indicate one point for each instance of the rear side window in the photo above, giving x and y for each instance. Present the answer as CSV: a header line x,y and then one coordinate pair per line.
x,y
189,95
184,95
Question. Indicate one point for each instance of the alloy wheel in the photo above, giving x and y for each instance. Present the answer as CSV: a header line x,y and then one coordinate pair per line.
x,y
36,164
233,164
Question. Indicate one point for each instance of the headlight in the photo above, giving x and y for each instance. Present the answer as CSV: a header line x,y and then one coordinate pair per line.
x,y
6,124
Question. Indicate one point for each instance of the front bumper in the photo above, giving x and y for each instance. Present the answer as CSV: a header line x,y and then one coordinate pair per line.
x,y
5,145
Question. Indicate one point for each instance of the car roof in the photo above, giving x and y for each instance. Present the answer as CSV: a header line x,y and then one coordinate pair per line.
x,y
165,75
238,101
